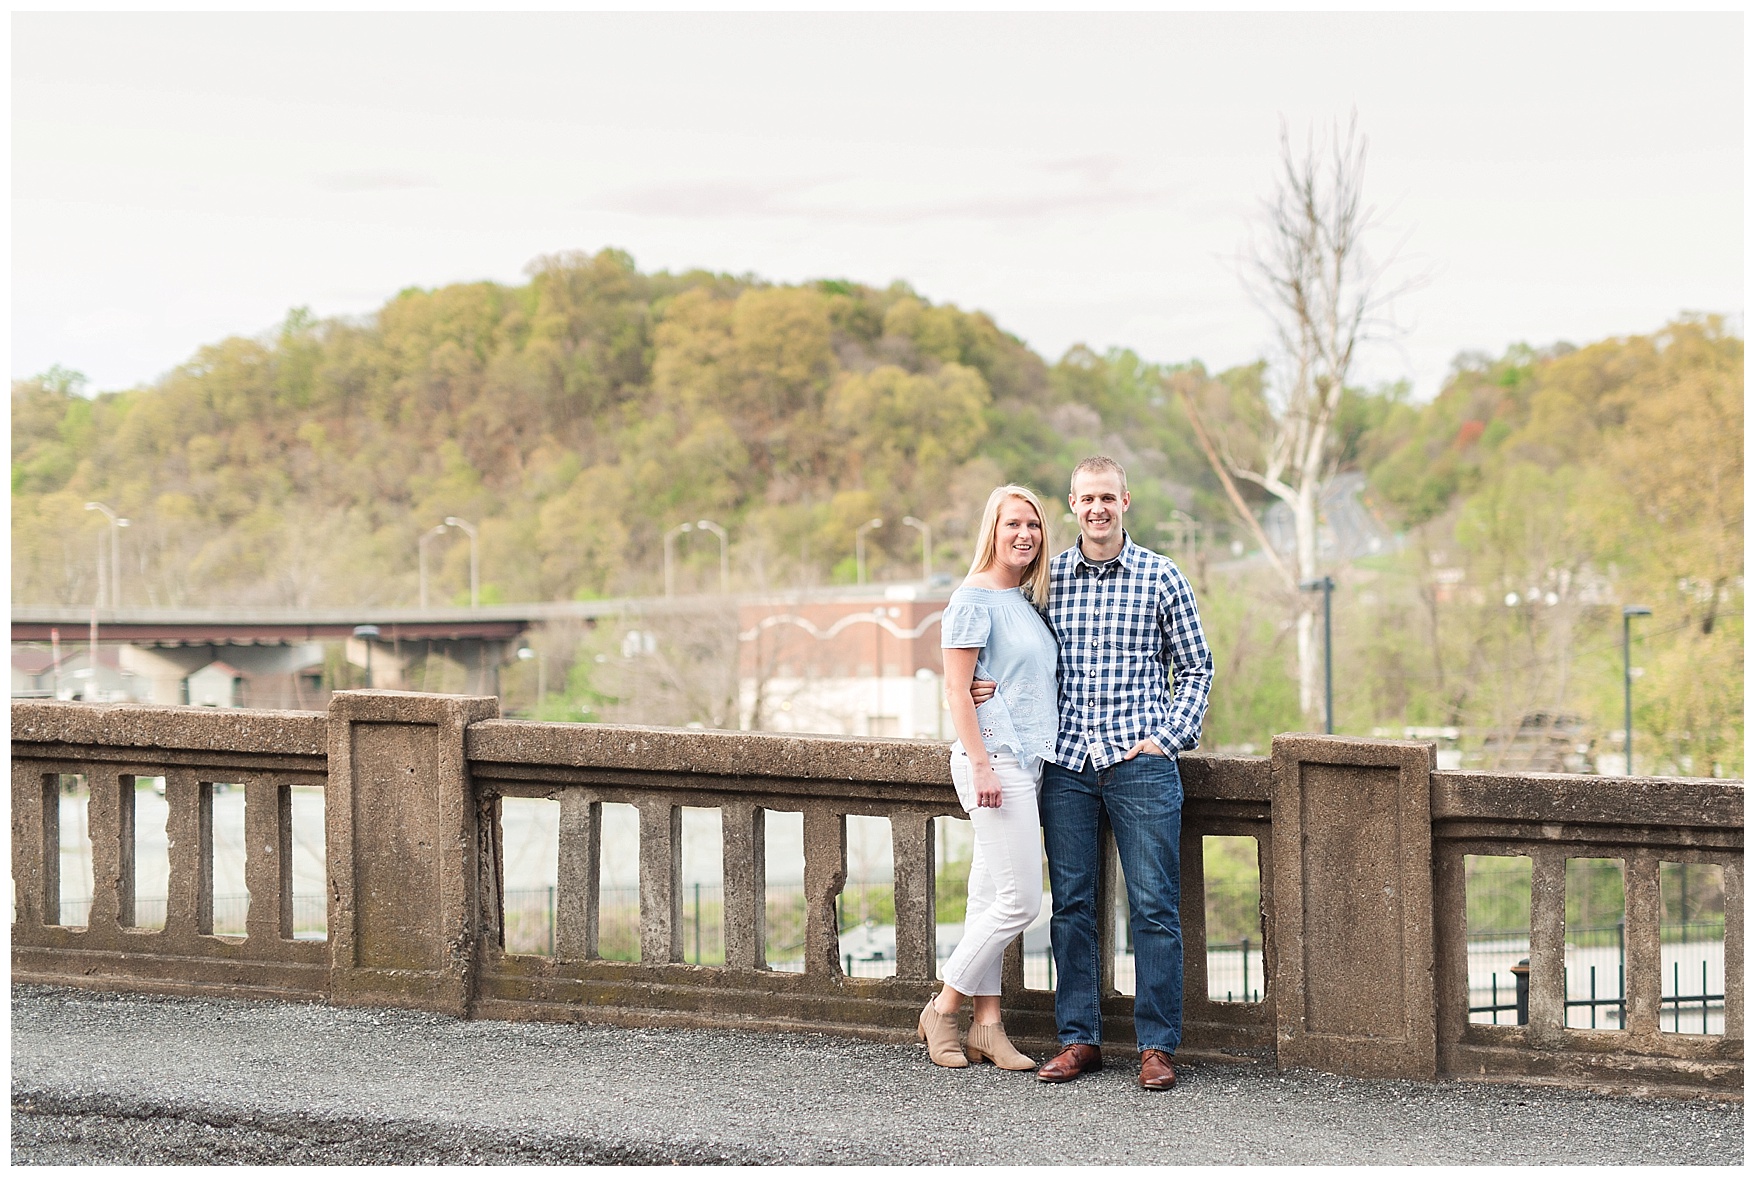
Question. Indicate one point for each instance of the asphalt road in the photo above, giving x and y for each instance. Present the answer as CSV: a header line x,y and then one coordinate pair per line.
x,y
129,1080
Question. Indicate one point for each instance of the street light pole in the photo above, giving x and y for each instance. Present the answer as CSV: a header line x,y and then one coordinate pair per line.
x,y
669,540
525,654
437,529
724,560
367,634
474,561
925,545
1327,585
1628,613
116,524
859,548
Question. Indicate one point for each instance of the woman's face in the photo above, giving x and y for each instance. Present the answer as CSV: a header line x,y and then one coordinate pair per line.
x,y
1018,537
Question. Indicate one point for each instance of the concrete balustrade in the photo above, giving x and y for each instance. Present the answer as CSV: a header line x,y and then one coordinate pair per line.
x,y
1361,847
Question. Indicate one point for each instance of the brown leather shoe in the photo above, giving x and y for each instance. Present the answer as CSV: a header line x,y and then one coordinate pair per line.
x,y
1157,1072
1070,1063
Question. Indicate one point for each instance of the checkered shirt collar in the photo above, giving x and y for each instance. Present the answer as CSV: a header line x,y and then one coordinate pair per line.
x,y
1129,558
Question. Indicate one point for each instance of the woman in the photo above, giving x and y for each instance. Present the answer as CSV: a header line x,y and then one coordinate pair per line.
x,y
993,628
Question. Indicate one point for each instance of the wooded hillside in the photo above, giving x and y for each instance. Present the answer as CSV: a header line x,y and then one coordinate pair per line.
x,y
574,420
577,418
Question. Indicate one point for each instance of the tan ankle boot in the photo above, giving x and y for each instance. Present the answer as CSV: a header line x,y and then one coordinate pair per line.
x,y
940,1035
988,1041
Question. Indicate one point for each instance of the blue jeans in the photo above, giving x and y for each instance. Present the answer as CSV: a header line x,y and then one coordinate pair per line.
x,y
1143,800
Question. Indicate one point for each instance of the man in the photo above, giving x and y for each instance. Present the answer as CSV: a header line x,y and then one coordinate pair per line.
x,y
1135,673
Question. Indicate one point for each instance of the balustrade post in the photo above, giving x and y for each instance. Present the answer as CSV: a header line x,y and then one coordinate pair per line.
x,y
577,883
36,847
1643,976
660,895
110,813
268,860
404,850
916,910
745,873
1192,913
189,838
825,873
1353,970
1109,883
1547,975
1733,953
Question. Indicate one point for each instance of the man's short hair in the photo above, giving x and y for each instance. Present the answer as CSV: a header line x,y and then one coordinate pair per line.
x,y
1099,464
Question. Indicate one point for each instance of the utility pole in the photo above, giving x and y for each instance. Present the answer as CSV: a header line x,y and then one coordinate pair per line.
x,y
1327,585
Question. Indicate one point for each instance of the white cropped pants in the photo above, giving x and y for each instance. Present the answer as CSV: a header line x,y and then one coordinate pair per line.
x,y
1005,874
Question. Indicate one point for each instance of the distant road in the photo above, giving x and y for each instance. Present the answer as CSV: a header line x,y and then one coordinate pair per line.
x,y
1347,530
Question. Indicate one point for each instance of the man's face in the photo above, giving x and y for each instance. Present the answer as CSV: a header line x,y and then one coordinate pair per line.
x,y
1098,503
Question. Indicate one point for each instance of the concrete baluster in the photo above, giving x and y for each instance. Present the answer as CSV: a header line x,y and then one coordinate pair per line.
x,y
1110,885
189,834
825,873
1733,880
1547,945
1644,993
1264,861
916,912
745,866
578,876
111,817
1011,968
1449,921
36,846
268,860
1193,913
660,893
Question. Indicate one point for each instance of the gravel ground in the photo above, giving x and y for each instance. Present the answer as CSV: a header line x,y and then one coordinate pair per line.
x,y
99,1078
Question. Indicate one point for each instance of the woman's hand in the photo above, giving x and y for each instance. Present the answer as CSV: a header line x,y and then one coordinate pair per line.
x,y
988,793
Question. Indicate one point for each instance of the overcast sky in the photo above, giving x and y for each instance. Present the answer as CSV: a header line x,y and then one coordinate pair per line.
x,y
178,179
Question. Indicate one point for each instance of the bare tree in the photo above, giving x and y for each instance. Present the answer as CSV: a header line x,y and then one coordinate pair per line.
x,y
1323,291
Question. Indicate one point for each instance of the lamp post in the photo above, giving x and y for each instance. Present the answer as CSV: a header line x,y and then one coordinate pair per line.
x,y
724,562
859,548
367,634
437,529
115,578
525,654
669,540
474,561
1628,613
925,545
1327,585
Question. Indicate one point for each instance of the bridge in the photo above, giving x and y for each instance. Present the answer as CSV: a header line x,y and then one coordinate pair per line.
x,y
1361,846
280,651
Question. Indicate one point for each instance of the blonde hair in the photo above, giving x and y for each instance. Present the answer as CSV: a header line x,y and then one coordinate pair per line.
x,y
1035,581
1100,464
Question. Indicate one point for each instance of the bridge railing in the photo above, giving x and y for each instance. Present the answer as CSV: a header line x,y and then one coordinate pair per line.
x,y
192,750
1361,848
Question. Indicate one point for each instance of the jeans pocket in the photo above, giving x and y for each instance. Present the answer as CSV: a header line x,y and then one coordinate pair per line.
x,y
963,777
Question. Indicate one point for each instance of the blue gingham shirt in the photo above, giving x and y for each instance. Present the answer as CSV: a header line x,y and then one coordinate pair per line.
x,y
1128,630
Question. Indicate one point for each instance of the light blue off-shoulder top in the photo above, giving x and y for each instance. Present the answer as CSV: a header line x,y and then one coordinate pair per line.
x,y
1019,652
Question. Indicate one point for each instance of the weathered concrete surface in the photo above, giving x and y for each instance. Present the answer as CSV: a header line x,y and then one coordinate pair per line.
x,y
403,839
1352,919
132,1079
